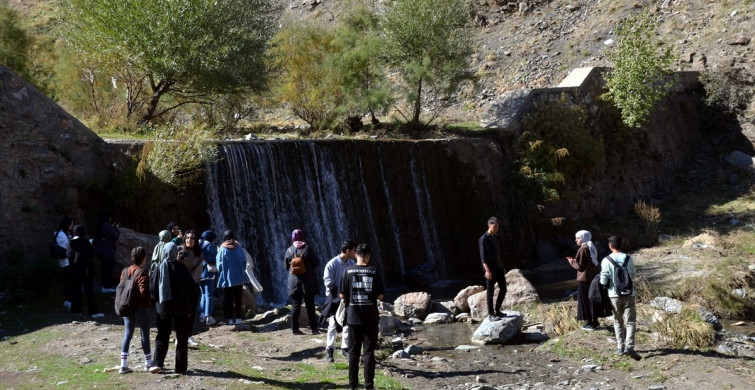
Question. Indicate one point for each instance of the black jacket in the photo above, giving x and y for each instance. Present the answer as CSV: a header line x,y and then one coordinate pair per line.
x,y
184,291
81,254
306,283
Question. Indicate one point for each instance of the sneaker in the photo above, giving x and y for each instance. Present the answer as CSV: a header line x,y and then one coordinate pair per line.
x,y
620,352
588,327
155,369
493,317
500,314
231,322
147,366
297,332
209,321
344,352
632,354
201,318
329,355
124,370
315,331
67,304
98,315
239,321
192,342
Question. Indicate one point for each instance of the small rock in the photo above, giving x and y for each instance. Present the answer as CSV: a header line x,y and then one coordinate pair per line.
x,y
400,355
657,387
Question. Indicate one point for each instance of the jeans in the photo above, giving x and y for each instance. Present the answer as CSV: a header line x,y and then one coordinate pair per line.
x,y
207,288
309,301
165,324
129,323
499,277
358,335
624,317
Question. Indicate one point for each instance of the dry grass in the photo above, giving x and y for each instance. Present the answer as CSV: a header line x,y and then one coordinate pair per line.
x,y
557,318
685,330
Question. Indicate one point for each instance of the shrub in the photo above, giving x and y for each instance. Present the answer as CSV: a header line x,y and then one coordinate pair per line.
x,y
649,214
724,89
178,154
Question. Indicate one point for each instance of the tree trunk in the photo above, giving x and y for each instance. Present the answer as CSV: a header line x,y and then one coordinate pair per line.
x,y
417,104
157,92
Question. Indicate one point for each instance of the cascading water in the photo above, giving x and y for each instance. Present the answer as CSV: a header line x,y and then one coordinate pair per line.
x,y
412,202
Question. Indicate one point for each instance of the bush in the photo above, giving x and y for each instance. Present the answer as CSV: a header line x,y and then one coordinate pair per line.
x,y
725,89
649,214
177,155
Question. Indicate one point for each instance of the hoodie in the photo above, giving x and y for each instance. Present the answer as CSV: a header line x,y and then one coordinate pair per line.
x,y
231,264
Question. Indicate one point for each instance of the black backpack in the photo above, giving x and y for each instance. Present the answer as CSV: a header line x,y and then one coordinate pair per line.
x,y
621,280
127,294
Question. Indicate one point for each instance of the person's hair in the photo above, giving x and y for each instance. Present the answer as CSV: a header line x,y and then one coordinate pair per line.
x,y
347,245
363,249
615,242
138,255
492,221
171,225
64,224
228,235
197,249
79,230
182,255
105,216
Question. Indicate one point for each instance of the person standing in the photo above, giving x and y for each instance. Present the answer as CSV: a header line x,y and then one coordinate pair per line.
x,y
332,279
231,264
176,236
141,287
303,286
158,253
62,237
361,288
624,307
105,238
494,271
81,258
174,292
586,264
208,278
193,261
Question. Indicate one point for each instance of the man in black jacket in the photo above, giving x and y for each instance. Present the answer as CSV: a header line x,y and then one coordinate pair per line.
x,y
490,255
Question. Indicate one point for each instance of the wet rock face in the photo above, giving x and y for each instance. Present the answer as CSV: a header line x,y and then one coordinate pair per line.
x,y
47,158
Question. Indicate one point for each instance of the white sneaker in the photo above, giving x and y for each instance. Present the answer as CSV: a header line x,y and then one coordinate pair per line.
x,y
201,318
98,315
67,304
192,342
231,322
239,321
209,321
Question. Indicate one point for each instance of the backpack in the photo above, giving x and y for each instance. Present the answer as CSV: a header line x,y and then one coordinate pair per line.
x,y
297,264
621,280
127,294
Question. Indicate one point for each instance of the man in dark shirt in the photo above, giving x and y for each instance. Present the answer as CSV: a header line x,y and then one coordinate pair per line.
x,y
490,255
361,287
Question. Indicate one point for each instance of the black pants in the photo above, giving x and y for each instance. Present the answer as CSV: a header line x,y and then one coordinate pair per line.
x,y
309,301
82,278
499,277
107,262
358,335
232,302
166,324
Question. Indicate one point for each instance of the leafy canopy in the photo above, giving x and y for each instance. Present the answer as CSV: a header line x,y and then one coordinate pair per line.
x,y
429,42
185,47
641,75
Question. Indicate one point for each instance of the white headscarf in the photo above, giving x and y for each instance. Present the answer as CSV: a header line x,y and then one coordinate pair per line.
x,y
587,240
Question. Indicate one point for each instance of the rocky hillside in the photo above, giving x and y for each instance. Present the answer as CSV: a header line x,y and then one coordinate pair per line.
x,y
536,43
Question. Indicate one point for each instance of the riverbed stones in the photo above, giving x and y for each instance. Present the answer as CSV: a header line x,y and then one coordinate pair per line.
x,y
461,298
387,324
446,307
439,318
498,332
412,305
519,292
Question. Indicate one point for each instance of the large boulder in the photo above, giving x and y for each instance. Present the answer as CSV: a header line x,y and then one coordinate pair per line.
x,y
461,299
387,324
439,318
519,291
498,332
446,307
412,305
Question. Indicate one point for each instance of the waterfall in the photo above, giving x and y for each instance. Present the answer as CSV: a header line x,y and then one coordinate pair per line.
x,y
410,201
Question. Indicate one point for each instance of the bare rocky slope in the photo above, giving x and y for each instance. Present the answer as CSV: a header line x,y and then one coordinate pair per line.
x,y
539,46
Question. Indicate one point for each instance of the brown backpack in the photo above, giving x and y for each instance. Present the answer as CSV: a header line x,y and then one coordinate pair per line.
x,y
297,264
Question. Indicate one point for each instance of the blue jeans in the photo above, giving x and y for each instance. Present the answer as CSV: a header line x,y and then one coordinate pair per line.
x,y
142,317
207,288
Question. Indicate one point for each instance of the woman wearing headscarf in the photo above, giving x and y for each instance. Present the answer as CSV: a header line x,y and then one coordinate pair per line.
x,y
231,264
194,261
586,264
174,292
303,286
81,258
157,253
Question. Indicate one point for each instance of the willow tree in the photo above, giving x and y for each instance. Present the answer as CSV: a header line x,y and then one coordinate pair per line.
x,y
430,43
188,49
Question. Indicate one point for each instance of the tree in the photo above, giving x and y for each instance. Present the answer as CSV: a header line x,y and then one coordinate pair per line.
x,y
641,75
306,82
428,40
14,41
358,67
188,49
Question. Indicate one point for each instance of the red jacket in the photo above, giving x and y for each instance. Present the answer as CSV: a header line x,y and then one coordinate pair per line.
x,y
142,282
